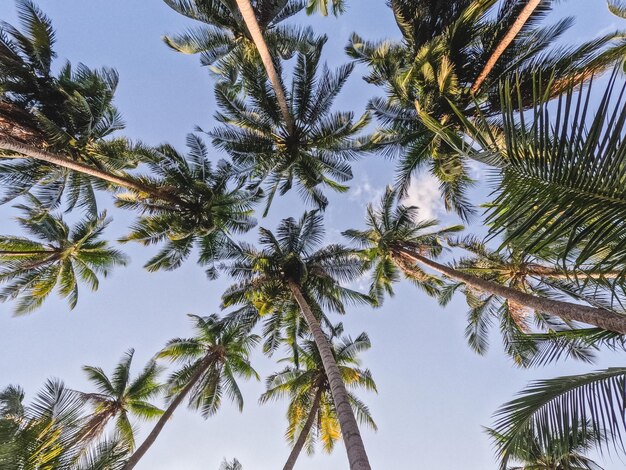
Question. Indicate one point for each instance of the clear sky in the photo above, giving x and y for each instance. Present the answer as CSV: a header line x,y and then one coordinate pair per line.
x,y
434,392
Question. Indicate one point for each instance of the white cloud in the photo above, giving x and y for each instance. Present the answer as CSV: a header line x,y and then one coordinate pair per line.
x,y
424,193
364,191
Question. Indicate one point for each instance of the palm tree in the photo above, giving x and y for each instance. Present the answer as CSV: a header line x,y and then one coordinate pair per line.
x,y
311,411
571,412
288,266
561,173
532,456
315,153
537,276
392,234
54,128
62,256
234,465
119,396
211,361
444,48
46,434
204,209
240,32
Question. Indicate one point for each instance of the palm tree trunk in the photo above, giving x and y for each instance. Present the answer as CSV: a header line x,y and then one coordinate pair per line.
x,y
306,429
158,427
249,17
599,317
517,26
357,456
27,151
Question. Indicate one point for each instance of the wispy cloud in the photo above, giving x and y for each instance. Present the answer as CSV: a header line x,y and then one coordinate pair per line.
x,y
364,191
424,193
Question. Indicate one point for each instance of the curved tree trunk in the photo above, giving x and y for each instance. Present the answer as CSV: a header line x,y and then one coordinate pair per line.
x,y
349,428
158,427
517,26
306,429
27,151
599,317
249,17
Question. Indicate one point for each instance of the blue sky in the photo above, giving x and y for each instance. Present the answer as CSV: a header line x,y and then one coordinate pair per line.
x,y
434,393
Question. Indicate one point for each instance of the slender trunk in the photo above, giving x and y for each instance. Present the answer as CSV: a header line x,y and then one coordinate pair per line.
x,y
516,27
27,151
158,427
306,429
599,317
544,271
249,17
349,428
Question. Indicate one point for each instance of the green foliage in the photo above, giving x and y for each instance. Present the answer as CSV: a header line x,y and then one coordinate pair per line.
x,y
563,414
443,49
392,227
221,351
305,377
316,154
118,396
199,207
336,6
59,257
223,41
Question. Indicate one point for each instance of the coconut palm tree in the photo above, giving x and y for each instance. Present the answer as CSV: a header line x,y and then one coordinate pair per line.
x,y
54,127
531,456
288,264
47,433
59,257
118,396
315,153
311,413
204,209
392,234
211,362
444,48
563,413
234,465
236,30
560,173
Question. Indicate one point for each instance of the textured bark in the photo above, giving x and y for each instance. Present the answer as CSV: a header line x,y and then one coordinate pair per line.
x,y
508,38
304,433
599,317
249,17
355,449
17,124
28,151
158,427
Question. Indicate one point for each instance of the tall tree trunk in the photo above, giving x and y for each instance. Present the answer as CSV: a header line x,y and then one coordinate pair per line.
x,y
599,317
304,433
158,427
349,428
516,27
249,17
27,151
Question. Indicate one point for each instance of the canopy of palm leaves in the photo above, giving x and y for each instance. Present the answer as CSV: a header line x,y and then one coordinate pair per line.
x,y
531,456
231,465
70,113
563,414
530,337
559,173
391,227
47,434
59,256
292,254
223,350
203,209
337,7
119,396
305,376
315,154
444,47
224,42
